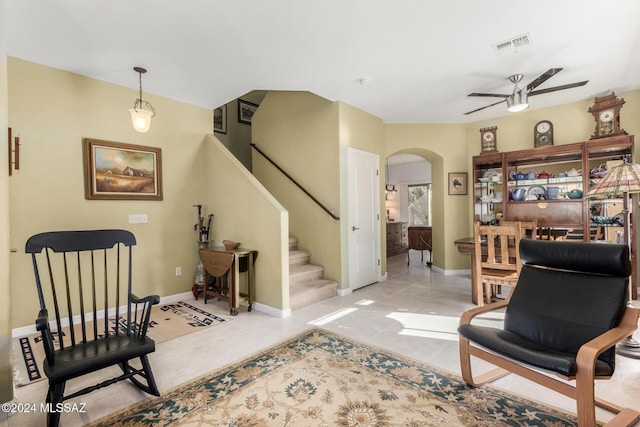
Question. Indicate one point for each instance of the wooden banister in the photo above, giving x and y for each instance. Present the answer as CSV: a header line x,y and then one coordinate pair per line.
x,y
304,190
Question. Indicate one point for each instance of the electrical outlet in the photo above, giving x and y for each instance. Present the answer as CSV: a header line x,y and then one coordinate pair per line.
x,y
178,271
138,219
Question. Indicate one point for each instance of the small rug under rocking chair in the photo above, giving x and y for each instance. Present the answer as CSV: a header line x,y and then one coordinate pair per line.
x,y
168,321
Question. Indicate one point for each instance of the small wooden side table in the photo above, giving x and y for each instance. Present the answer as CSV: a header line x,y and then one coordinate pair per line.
x,y
234,297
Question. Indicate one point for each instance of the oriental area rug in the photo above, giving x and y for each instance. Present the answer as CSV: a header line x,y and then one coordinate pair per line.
x,y
323,379
167,321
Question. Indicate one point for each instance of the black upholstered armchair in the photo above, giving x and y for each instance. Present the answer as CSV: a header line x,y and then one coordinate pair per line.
x,y
565,316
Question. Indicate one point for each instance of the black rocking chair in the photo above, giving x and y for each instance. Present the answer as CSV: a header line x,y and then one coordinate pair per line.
x,y
82,278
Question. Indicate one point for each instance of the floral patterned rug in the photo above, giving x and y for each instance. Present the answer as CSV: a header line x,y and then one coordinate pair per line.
x,y
323,379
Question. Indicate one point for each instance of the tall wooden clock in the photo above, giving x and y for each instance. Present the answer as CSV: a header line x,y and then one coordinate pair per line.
x,y
606,112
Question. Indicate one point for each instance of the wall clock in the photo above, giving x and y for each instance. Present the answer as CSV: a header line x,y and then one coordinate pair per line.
x,y
543,133
488,139
606,112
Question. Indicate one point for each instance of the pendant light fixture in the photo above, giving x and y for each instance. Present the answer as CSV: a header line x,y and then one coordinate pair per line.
x,y
142,111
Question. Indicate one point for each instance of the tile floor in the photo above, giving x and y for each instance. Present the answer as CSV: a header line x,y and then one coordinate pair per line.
x,y
415,313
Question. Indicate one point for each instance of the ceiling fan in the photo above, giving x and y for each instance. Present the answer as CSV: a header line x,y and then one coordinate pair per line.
x,y
517,100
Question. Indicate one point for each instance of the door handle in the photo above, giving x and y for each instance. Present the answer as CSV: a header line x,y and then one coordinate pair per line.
x,y
354,228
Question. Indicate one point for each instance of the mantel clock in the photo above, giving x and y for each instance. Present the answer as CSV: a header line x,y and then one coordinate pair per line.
x,y
488,139
606,112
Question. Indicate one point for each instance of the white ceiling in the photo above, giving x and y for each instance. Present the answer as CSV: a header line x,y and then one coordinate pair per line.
x,y
422,57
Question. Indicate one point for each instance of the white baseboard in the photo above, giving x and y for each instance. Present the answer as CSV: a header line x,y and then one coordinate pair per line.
x,y
267,309
454,272
344,292
31,329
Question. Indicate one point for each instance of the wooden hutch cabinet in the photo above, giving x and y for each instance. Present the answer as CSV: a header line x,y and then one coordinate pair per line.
x,y
551,185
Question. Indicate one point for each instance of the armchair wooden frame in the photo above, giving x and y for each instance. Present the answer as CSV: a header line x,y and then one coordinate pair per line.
x,y
578,386
582,392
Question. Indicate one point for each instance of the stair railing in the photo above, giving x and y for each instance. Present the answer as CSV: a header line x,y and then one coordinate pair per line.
x,y
304,190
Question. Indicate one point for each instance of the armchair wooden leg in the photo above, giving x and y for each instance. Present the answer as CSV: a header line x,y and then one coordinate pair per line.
x,y
465,367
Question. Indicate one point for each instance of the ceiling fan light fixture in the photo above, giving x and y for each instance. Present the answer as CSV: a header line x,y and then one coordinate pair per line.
x,y
142,111
517,101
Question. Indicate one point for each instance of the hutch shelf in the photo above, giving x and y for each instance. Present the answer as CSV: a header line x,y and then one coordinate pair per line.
x,y
550,184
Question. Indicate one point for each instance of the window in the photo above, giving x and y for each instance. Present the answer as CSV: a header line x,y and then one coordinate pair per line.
x,y
419,206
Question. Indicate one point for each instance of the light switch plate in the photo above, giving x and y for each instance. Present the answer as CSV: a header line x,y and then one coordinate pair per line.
x,y
138,219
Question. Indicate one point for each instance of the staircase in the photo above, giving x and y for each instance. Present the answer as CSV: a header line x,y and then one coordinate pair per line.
x,y
306,283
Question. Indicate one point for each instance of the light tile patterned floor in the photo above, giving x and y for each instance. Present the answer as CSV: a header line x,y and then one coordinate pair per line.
x,y
415,313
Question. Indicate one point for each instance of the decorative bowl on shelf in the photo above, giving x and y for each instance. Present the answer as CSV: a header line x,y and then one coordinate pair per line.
x,y
230,244
574,194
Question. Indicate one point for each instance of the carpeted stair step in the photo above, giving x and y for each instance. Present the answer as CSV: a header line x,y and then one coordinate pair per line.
x,y
308,293
293,243
299,274
299,257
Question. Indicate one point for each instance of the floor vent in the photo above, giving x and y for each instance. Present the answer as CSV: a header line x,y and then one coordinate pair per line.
x,y
513,45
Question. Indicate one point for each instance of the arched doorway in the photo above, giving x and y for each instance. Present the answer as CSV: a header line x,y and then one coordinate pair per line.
x,y
420,167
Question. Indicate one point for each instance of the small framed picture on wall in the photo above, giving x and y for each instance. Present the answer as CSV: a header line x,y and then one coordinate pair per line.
x,y
246,111
457,183
220,119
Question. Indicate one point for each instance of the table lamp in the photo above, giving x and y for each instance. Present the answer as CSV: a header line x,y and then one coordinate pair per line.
x,y
622,180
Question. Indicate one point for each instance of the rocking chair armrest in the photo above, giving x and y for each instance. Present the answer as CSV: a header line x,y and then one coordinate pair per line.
x,y
141,312
152,299
590,350
42,325
42,322
468,315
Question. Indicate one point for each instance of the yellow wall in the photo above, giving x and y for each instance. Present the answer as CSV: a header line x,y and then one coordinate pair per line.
x,y
571,123
363,131
445,146
53,111
6,384
245,212
299,132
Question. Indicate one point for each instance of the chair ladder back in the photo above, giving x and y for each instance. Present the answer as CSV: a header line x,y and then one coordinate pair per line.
x,y
54,296
85,299
497,256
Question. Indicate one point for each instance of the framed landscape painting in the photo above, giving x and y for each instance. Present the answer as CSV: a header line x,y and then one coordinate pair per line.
x,y
117,171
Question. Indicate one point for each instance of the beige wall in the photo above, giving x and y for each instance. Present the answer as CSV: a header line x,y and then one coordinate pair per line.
x,y
245,212
362,131
446,148
571,123
53,110
6,384
299,131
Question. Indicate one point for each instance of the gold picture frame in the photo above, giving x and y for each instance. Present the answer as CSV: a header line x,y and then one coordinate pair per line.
x,y
118,171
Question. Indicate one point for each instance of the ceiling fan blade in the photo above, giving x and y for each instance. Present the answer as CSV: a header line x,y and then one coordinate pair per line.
x,y
556,88
543,78
497,95
486,106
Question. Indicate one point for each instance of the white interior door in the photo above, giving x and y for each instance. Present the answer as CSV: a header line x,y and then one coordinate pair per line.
x,y
364,218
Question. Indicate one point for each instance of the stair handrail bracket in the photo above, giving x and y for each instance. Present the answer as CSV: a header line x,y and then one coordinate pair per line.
x,y
297,184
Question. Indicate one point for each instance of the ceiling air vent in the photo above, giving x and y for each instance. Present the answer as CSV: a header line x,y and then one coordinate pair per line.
x,y
513,45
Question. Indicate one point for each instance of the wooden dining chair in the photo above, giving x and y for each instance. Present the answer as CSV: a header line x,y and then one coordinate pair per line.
x,y
497,258
528,228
